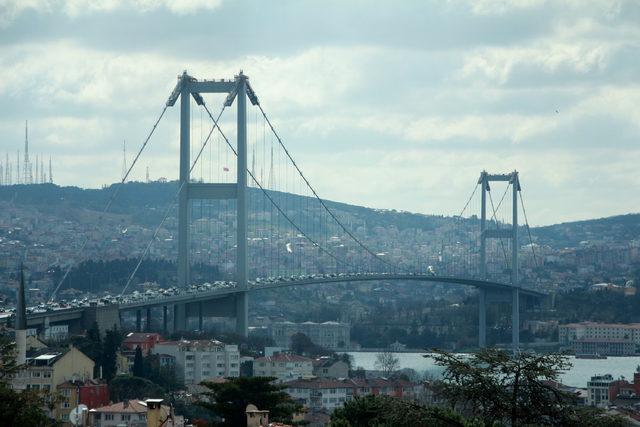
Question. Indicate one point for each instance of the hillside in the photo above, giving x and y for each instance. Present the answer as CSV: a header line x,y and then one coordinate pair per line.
x,y
145,203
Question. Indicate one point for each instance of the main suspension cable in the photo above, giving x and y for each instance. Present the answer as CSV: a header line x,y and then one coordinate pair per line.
x,y
526,221
326,251
172,205
362,245
113,196
504,251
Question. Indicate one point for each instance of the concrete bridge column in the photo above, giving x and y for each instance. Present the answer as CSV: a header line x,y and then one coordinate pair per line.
x,y
179,317
138,320
515,319
147,324
482,318
242,314
165,330
200,322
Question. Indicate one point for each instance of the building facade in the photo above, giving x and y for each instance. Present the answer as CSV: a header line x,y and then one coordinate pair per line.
x,y
615,339
284,367
598,390
329,335
200,360
130,413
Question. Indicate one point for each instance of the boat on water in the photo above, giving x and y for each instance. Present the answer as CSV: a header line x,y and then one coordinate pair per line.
x,y
590,356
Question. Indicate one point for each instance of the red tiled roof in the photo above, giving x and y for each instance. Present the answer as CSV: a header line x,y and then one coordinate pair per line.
x,y
279,357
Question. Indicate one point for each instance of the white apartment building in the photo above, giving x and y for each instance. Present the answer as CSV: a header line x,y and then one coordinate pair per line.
x,y
596,335
200,360
323,393
329,335
598,390
284,367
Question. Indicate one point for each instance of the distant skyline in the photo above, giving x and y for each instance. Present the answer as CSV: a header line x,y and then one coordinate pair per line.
x,y
395,105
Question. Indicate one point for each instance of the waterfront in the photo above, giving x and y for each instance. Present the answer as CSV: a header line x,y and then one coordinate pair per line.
x,y
577,376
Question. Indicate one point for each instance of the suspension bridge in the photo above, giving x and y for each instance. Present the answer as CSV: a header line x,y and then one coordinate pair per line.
x,y
287,235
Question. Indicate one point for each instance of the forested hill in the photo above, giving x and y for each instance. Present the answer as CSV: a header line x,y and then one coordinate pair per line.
x,y
136,199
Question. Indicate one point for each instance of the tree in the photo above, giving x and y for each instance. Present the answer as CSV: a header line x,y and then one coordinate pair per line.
x,y
229,400
8,364
164,376
23,408
124,387
497,387
138,363
112,341
302,344
372,410
387,362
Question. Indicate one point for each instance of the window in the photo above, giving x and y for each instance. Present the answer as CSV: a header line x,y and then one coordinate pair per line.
x,y
65,417
65,404
126,417
205,373
35,374
46,374
108,417
332,391
142,416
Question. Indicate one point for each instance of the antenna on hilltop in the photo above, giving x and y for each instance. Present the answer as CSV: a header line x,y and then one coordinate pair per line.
x,y
124,158
50,172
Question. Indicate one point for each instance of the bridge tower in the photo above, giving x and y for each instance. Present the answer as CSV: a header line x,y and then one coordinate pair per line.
x,y
505,233
239,89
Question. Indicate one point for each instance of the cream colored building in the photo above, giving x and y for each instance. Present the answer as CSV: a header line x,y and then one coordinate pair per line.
x,y
284,367
48,368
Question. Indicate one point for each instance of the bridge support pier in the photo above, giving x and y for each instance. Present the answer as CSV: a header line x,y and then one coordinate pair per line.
x,y
147,325
138,320
515,319
179,317
165,330
482,318
242,314
200,322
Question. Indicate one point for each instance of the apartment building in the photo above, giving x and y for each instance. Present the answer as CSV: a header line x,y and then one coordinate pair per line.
x,y
200,360
284,367
329,335
598,390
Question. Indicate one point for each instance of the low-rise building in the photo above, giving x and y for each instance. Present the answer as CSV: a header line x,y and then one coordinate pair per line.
x,y
46,368
146,341
92,393
329,335
284,367
328,367
130,413
598,390
327,394
200,360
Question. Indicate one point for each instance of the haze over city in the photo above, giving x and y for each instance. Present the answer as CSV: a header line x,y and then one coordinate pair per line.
x,y
396,114
252,213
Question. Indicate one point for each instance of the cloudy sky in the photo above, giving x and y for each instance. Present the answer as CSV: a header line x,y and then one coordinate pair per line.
x,y
384,104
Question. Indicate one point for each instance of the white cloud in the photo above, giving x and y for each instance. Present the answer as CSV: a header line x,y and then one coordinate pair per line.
x,y
11,9
501,7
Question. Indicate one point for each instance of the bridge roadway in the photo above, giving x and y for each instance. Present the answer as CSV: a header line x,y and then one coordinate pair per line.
x,y
203,296
221,302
